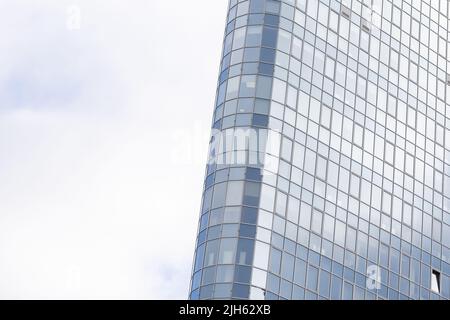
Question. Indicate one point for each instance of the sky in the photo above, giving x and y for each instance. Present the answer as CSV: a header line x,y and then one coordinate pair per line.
x,y
105,113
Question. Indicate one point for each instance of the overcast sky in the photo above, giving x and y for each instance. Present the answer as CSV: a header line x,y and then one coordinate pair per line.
x,y
104,123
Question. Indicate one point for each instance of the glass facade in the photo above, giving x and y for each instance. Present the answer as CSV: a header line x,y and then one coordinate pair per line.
x,y
352,199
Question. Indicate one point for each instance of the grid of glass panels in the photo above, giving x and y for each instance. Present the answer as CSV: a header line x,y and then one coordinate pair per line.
x,y
359,207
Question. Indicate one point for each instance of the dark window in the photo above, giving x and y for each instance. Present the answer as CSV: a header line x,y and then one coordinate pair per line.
x,y
240,291
247,231
245,251
260,120
269,38
365,25
266,69
345,12
249,215
436,281
268,55
271,20
253,174
251,193
242,274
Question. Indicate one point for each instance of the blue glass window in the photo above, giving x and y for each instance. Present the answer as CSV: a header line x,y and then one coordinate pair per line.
x,y
269,37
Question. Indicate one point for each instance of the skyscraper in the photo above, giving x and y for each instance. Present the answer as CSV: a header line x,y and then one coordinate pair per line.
x,y
329,168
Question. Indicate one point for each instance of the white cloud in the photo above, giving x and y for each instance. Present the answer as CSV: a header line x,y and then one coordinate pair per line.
x,y
91,203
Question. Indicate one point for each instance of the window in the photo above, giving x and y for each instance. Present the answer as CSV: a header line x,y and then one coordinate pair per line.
x,y
280,207
242,274
279,91
436,281
284,41
245,251
308,54
316,224
251,193
239,38
248,86
358,135
324,284
257,6
269,37
199,257
254,34
321,169
300,272
339,234
336,288
293,209
264,87
234,193
354,186
273,7
314,110
326,117
236,56
209,275
275,261
211,253
219,195
233,88
323,14
303,103
240,291
297,48
333,21
329,67
227,251
232,215
312,9
313,274
345,12
261,255
287,266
